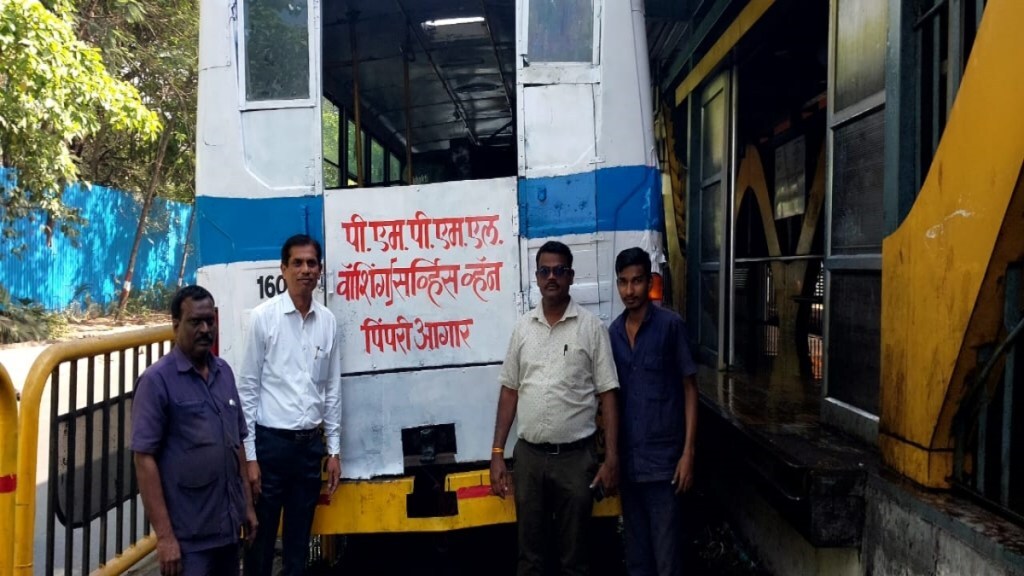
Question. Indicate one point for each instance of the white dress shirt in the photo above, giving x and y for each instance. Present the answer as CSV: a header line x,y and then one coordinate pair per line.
x,y
290,376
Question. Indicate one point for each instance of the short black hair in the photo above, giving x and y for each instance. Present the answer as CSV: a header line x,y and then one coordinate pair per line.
x,y
300,240
193,292
633,257
556,247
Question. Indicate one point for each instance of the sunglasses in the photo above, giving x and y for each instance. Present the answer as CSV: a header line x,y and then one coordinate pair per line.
x,y
558,271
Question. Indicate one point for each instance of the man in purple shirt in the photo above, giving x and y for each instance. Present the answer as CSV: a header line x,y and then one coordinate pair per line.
x,y
658,421
187,431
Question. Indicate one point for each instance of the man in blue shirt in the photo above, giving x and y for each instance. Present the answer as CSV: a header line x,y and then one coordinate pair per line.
x,y
658,422
187,431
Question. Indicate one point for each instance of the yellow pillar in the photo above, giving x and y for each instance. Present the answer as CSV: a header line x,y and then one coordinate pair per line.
x,y
8,470
941,290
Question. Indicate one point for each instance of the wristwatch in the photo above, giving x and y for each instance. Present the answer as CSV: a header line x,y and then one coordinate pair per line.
x,y
334,456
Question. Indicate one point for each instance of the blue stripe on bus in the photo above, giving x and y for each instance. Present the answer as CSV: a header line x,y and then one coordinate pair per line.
x,y
248,229
605,200
620,199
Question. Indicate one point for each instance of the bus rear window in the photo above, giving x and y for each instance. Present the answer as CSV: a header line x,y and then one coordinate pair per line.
x,y
276,50
425,90
561,31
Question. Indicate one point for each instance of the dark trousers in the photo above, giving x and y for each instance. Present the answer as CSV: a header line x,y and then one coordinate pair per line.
x,y
553,504
653,523
222,561
290,481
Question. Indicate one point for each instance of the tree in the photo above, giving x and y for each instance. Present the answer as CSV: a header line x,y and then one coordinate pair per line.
x,y
55,92
153,44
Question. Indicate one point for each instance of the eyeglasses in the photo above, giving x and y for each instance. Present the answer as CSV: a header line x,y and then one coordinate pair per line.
x,y
558,271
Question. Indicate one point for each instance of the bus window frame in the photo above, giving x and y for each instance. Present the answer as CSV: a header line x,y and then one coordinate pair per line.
x,y
557,72
312,78
344,118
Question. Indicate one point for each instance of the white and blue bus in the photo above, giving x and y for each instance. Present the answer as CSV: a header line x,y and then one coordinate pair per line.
x,y
432,146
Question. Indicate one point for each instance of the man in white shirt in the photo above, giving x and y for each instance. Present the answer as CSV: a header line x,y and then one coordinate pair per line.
x,y
290,384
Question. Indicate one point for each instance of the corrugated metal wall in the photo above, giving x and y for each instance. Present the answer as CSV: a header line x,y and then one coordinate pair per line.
x,y
58,273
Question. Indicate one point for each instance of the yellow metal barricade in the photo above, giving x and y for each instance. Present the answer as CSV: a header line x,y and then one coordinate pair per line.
x,y
8,464
28,439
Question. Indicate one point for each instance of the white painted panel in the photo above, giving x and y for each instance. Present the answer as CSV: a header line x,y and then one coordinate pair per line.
x,y
423,276
237,289
376,407
271,153
625,123
558,74
594,262
279,150
559,122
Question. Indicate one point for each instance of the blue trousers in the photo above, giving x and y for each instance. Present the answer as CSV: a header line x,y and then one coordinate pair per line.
x,y
290,482
652,519
221,561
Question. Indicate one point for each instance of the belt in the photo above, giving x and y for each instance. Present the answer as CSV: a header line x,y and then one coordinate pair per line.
x,y
293,435
549,448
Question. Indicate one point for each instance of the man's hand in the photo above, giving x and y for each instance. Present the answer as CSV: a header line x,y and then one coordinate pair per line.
x,y
252,469
500,481
607,476
683,477
333,474
169,554
251,524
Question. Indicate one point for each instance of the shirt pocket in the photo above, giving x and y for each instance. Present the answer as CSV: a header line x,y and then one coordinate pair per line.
x,y
653,366
230,420
321,369
577,362
197,422
197,485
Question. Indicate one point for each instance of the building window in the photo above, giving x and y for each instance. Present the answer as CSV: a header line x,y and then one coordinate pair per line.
x,y
859,50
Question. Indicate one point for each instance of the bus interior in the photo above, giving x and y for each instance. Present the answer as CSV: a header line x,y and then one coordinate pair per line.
x,y
417,91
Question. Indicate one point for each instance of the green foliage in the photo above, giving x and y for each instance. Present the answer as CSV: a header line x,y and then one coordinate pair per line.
x,y
55,92
329,132
23,321
154,46
156,298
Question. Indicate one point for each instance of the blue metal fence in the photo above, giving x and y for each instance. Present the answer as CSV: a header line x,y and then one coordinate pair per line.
x,y
56,272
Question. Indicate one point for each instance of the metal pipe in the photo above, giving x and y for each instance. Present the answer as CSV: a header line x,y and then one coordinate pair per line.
x,y
1011,315
130,557
133,482
444,83
121,452
356,115
87,461
929,13
51,487
8,469
105,458
497,57
72,459
408,110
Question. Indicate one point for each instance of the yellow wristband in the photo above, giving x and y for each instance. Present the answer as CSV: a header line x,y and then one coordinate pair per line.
x,y
497,450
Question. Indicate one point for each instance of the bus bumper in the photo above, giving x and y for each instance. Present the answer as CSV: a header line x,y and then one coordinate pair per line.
x,y
380,506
